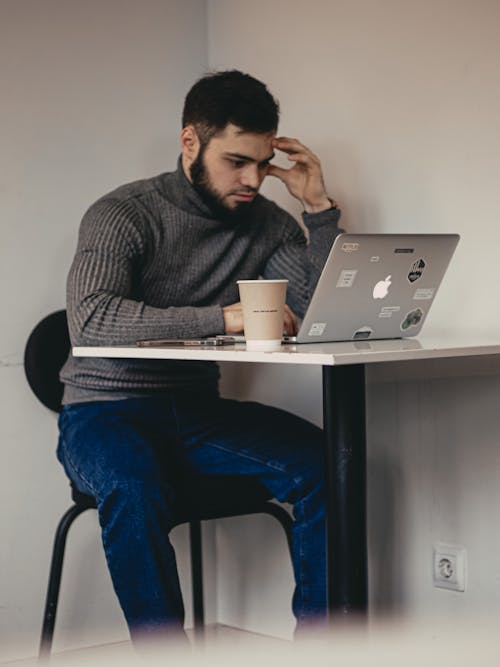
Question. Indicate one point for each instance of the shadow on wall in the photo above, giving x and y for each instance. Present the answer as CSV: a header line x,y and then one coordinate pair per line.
x,y
385,511
290,387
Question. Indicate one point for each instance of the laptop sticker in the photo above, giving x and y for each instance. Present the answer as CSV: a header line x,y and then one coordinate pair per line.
x,y
424,293
362,333
387,311
375,258
317,329
350,247
346,278
412,319
416,270
381,289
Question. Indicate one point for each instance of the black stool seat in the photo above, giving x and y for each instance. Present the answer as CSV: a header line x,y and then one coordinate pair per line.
x,y
210,500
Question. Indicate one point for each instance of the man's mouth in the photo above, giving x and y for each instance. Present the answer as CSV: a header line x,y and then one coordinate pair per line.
x,y
244,195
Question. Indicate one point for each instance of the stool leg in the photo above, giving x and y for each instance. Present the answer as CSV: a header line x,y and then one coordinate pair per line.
x,y
49,616
197,578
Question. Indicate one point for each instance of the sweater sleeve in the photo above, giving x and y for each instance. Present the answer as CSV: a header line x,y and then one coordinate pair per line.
x,y
300,261
101,305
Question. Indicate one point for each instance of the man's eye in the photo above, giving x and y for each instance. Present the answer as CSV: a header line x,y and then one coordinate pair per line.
x,y
237,164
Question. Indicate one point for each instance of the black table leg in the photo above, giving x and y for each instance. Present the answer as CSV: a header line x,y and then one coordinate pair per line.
x,y
345,458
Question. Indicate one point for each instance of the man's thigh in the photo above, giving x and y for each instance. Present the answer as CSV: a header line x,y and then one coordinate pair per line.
x,y
223,436
108,443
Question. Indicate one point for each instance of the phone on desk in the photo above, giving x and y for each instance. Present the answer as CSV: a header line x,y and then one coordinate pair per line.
x,y
212,341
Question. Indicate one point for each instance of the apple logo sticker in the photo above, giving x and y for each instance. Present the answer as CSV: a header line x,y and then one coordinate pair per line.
x,y
381,289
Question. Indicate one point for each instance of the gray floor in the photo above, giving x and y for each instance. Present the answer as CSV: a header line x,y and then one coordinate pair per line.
x,y
215,637
445,643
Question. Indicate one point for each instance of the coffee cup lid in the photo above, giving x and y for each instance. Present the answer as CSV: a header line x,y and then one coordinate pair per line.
x,y
259,280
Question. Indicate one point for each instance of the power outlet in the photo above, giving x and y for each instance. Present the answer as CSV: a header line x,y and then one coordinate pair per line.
x,y
450,567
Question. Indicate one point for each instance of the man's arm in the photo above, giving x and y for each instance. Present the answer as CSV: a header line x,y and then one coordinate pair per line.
x,y
298,261
302,263
102,298
304,179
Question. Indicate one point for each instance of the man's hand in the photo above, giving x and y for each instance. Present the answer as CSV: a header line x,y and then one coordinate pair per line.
x,y
233,320
305,179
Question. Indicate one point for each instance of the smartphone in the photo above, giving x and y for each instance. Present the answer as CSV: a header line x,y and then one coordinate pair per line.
x,y
213,341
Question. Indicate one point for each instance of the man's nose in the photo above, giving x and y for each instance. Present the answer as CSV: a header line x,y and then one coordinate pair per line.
x,y
250,177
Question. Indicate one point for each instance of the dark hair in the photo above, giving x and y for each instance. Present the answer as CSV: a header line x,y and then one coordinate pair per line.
x,y
226,97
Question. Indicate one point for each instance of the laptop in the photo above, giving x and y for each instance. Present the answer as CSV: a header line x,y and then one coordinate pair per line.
x,y
373,286
376,286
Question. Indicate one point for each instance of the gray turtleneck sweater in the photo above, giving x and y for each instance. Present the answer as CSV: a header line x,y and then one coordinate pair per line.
x,y
153,262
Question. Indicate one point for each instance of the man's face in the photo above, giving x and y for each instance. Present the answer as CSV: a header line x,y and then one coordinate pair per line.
x,y
229,170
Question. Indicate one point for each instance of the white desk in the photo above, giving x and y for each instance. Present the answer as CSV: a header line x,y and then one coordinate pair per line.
x,y
344,426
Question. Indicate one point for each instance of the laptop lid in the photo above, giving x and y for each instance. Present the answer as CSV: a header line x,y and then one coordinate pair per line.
x,y
376,286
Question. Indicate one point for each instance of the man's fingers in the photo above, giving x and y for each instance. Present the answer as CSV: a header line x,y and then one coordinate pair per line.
x,y
301,158
282,174
304,158
291,321
287,144
290,146
274,170
233,319
278,172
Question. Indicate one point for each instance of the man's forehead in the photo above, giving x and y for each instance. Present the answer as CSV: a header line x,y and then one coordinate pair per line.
x,y
235,140
232,130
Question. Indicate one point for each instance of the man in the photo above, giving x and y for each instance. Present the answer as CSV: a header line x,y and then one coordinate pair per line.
x,y
160,258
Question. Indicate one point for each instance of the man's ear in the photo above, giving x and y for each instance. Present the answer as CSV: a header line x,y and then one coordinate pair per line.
x,y
190,143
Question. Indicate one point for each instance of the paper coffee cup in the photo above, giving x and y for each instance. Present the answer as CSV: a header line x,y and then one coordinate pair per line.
x,y
263,304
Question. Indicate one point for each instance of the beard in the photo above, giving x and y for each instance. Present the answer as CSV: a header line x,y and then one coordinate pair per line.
x,y
201,182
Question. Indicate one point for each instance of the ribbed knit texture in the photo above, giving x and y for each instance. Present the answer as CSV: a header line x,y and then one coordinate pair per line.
x,y
152,262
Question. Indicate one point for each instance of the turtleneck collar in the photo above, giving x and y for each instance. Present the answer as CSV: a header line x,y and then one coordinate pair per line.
x,y
181,192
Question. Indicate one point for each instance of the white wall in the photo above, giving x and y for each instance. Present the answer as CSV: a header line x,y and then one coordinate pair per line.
x,y
91,98
401,100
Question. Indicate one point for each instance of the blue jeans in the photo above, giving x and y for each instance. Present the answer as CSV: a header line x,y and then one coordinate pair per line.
x,y
126,453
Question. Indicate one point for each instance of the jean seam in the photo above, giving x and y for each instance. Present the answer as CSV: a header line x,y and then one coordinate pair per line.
x,y
75,469
210,443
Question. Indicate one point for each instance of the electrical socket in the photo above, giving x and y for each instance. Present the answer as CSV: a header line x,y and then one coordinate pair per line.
x,y
450,566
